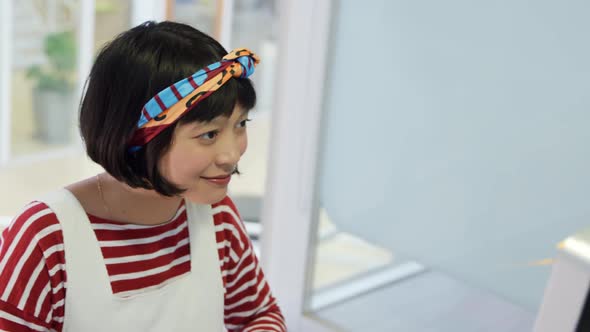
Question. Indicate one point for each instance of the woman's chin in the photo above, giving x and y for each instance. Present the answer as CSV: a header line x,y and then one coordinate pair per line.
x,y
210,197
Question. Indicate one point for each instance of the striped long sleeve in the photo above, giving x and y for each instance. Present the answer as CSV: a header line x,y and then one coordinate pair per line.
x,y
249,304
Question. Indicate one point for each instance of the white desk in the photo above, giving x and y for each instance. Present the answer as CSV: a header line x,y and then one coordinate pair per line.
x,y
567,289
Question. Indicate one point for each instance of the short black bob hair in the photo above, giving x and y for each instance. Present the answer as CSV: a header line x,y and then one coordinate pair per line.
x,y
130,70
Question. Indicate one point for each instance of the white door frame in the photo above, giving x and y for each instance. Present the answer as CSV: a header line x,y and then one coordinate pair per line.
x,y
147,10
289,205
86,41
224,18
5,79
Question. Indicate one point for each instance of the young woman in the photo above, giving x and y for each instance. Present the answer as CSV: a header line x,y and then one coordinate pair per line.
x,y
153,243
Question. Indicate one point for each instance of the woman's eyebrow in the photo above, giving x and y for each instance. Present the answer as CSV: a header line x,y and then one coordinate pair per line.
x,y
199,124
195,126
243,112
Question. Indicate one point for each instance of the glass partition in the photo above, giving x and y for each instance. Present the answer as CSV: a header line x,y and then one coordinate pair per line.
x,y
45,76
453,161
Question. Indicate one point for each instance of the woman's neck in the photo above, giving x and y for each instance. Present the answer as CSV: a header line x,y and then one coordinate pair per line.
x,y
135,205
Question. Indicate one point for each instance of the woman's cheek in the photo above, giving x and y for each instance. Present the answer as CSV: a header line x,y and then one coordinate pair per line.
x,y
243,144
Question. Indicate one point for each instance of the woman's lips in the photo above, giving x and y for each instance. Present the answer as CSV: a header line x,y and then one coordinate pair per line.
x,y
222,181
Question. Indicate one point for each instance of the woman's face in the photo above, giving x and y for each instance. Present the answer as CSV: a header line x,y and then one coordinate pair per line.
x,y
202,156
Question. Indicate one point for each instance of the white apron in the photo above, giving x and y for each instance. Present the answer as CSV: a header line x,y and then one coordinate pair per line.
x,y
193,302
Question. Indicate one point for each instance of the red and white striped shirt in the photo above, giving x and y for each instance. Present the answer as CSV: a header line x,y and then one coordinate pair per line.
x,y
33,280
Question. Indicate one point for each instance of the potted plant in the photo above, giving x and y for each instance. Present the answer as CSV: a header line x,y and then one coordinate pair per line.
x,y
54,91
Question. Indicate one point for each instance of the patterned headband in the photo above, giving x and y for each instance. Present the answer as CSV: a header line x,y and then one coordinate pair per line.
x,y
165,108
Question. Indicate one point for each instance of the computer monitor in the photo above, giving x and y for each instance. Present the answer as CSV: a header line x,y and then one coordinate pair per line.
x,y
566,302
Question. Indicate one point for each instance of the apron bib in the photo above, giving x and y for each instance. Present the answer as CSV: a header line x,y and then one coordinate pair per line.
x,y
194,302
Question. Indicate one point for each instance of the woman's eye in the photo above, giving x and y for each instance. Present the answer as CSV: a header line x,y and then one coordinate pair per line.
x,y
242,124
209,135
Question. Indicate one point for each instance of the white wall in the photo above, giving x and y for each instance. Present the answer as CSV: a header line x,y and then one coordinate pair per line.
x,y
456,132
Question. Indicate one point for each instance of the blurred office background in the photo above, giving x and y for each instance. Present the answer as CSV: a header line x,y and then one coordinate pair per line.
x,y
453,146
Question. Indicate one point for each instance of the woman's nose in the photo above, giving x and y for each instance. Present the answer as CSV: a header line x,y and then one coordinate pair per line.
x,y
230,153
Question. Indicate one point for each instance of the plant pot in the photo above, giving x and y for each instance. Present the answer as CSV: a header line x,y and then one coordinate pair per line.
x,y
54,115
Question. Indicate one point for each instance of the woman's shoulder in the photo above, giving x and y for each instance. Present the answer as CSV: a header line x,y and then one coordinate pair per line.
x,y
31,253
227,211
37,215
35,226
228,220
33,217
